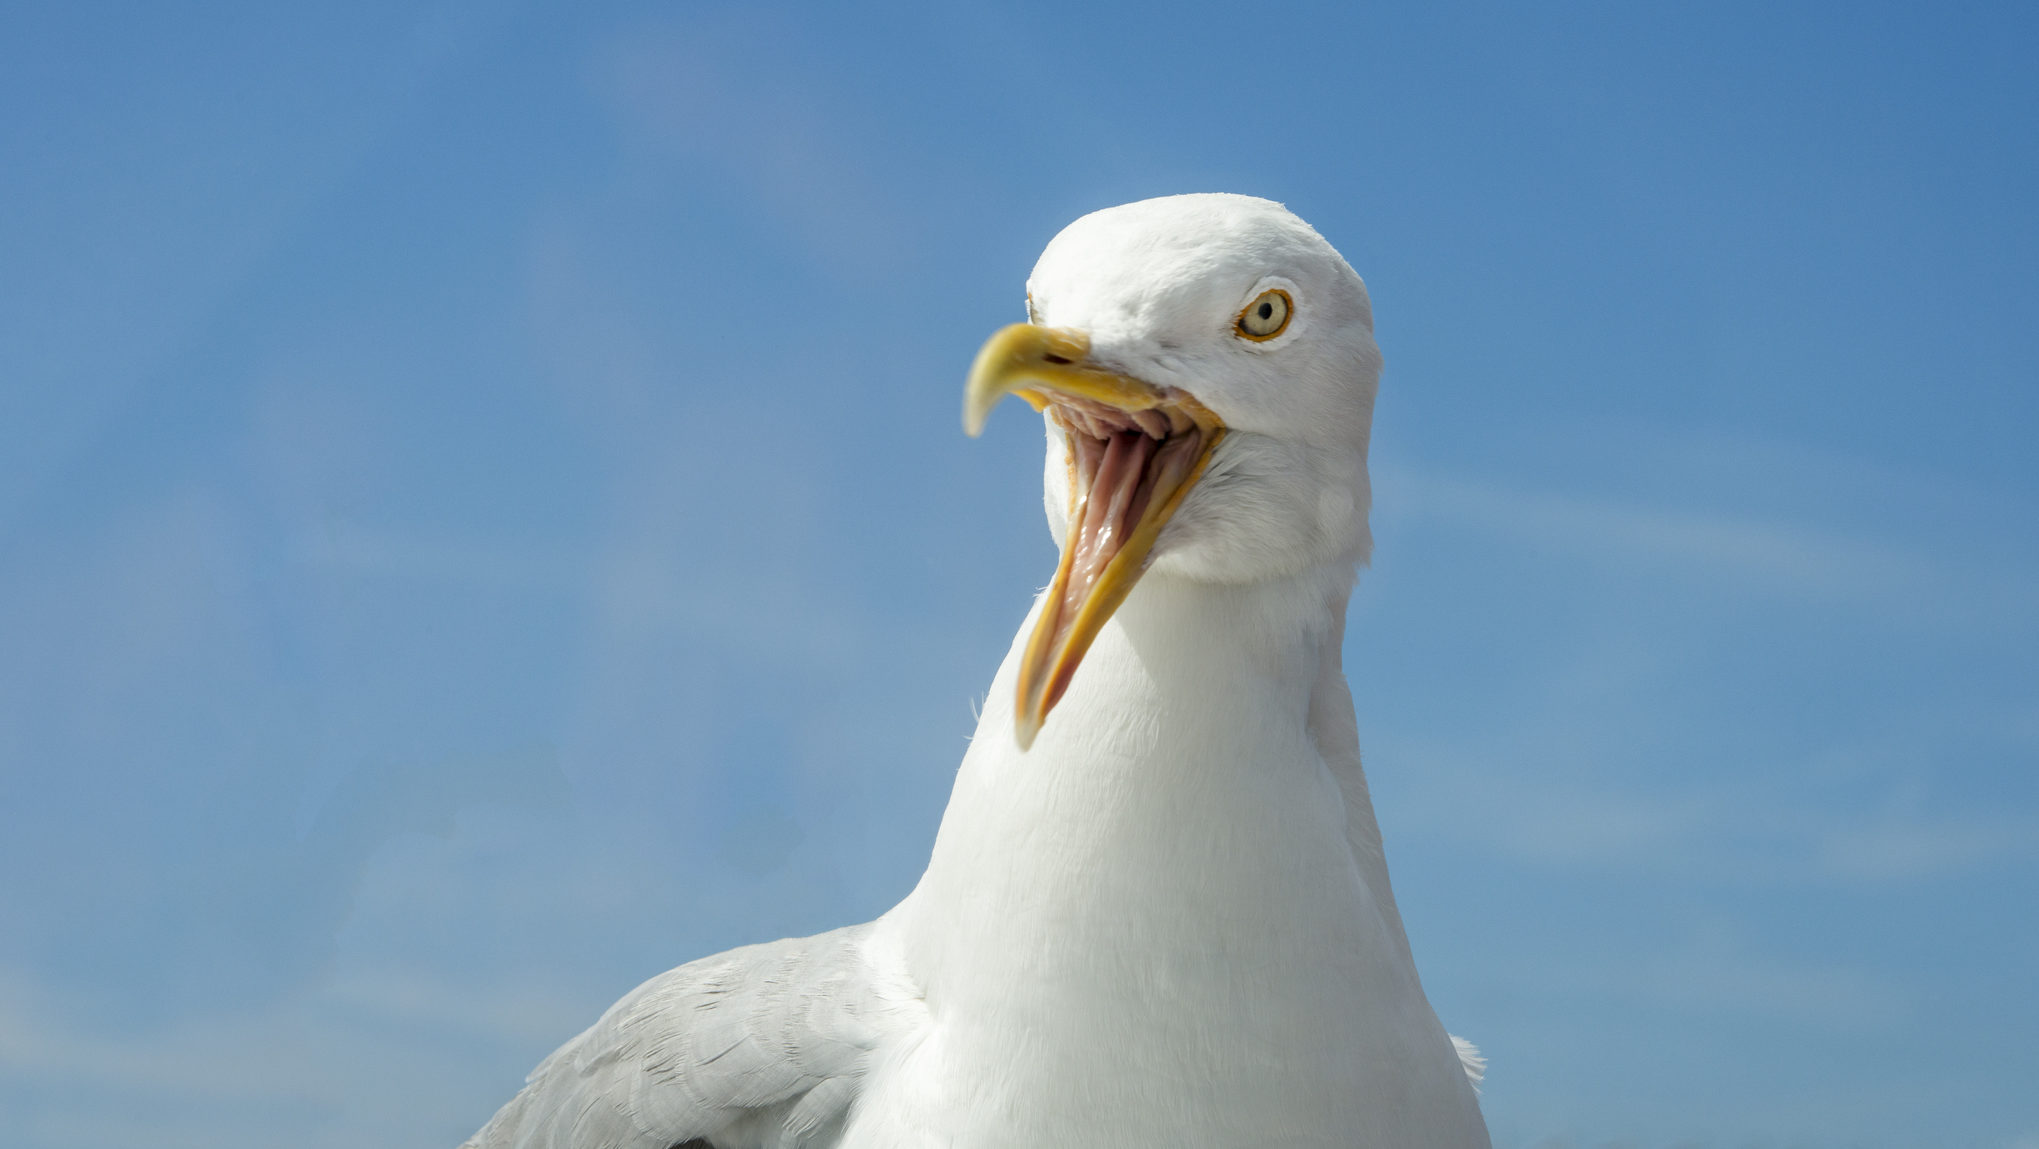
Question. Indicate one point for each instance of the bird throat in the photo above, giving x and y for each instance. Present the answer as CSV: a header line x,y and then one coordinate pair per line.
x,y
1126,480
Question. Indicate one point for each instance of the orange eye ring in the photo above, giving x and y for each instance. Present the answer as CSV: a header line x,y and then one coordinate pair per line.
x,y
1267,316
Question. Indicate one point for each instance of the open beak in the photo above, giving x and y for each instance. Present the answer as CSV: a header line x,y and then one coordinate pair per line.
x,y
1135,450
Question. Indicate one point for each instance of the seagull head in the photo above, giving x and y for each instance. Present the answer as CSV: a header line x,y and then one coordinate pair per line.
x,y
1206,368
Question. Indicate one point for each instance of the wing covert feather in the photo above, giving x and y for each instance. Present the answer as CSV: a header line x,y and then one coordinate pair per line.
x,y
758,1048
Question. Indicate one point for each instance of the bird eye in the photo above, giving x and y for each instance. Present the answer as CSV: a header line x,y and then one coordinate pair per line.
x,y
1033,313
1267,316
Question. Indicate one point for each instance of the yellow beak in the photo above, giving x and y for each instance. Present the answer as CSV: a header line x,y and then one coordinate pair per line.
x,y
1135,450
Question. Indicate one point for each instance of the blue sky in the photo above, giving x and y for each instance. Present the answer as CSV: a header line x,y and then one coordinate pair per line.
x,y
482,520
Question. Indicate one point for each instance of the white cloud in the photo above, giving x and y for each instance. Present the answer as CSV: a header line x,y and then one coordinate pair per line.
x,y
389,1060
1718,971
1913,845
435,1005
368,552
1767,555
1623,745
1733,828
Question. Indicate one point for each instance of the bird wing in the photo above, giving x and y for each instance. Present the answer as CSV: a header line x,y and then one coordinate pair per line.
x,y
762,1047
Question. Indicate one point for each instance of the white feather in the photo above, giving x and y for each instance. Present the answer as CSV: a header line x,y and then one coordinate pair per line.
x,y
1472,1059
1169,922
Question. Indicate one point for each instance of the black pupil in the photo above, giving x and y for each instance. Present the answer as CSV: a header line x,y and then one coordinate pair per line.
x,y
1266,310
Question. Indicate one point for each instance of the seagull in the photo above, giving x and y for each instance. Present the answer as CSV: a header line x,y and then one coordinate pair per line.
x,y
1157,913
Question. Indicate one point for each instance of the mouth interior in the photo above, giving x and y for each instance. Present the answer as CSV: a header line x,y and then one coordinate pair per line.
x,y
1125,467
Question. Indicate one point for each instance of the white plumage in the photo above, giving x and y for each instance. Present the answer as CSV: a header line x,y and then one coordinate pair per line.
x,y
1167,922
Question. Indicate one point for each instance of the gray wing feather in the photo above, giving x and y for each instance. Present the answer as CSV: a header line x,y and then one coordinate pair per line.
x,y
759,1048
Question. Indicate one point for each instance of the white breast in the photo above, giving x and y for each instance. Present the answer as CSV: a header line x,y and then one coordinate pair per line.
x,y
1150,929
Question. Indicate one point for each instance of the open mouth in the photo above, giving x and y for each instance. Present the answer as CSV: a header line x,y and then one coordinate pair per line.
x,y
1135,450
1122,465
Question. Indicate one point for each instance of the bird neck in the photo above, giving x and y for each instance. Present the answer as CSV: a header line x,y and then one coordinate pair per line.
x,y
1178,779
1167,923
1235,662
1187,674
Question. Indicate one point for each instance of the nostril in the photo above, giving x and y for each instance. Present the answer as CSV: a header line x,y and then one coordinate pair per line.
x,y
1056,359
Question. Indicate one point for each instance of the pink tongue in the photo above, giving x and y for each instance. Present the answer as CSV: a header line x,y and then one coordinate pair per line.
x,y
1108,512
